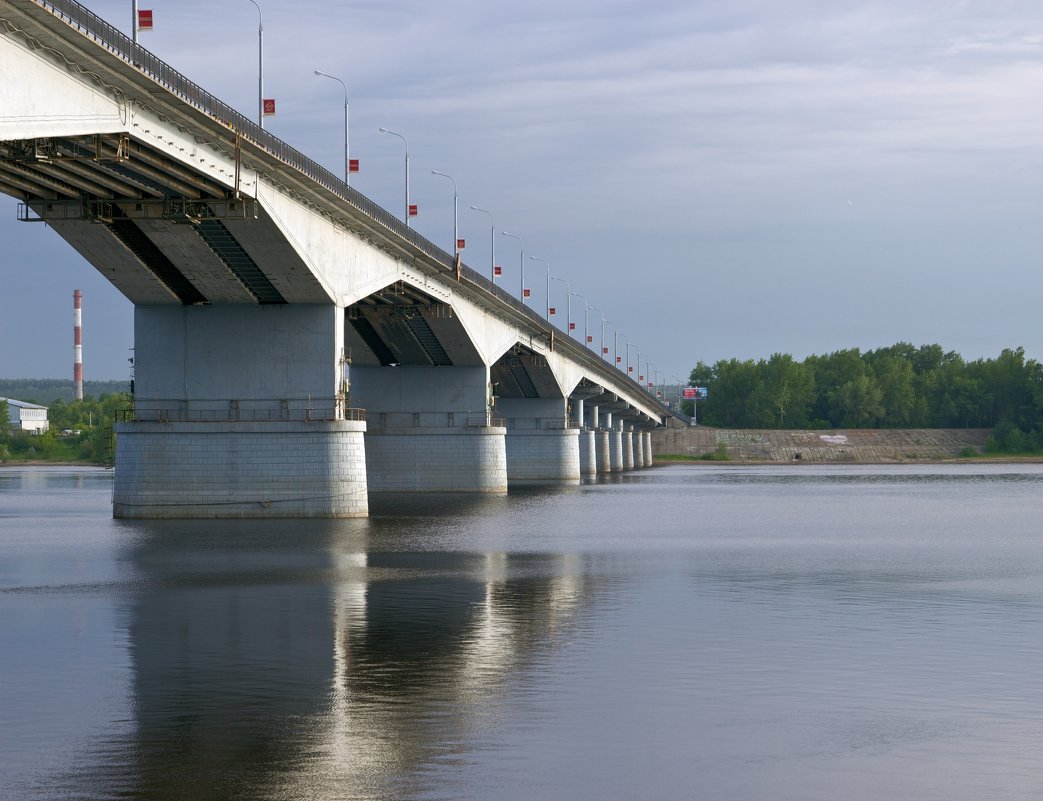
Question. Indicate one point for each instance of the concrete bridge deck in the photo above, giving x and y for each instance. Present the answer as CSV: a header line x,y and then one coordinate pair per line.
x,y
261,279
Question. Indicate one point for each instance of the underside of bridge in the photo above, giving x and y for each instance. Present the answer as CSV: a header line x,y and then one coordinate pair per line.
x,y
273,303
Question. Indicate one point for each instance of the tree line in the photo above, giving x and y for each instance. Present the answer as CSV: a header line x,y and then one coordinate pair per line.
x,y
901,386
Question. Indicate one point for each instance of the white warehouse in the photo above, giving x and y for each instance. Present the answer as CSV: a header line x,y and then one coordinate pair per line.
x,y
27,416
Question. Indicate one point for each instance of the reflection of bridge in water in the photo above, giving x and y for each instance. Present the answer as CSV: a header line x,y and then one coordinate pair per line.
x,y
290,660
270,298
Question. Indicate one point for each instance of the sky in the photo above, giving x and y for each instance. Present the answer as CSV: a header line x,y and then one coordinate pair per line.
x,y
718,180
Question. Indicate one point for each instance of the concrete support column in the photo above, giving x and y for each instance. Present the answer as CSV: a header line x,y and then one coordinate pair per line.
x,y
648,449
239,412
627,438
540,445
603,451
429,429
639,449
588,457
615,447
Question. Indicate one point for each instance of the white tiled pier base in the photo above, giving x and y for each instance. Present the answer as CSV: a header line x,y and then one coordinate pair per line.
x,y
588,461
543,454
615,449
240,469
639,450
628,450
604,455
437,459
647,437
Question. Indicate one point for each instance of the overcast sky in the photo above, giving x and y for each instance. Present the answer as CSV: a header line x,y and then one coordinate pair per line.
x,y
719,179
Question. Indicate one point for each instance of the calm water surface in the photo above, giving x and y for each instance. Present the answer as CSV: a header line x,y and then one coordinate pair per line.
x,y
687,632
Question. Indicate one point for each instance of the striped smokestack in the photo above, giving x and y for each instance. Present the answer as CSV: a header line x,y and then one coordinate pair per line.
x,y
77,344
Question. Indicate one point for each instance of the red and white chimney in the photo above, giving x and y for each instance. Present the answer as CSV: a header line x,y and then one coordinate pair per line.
x,y
77,344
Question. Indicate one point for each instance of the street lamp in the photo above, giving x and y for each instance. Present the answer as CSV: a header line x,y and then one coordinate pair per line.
x,y
406,144
547,265
521,260
456,226
595,308
347,163
260,66
568,289
584,314
492,242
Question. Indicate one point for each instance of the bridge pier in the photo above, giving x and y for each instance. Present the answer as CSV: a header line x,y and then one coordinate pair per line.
x,y
647,437
236,416
429,429
541,444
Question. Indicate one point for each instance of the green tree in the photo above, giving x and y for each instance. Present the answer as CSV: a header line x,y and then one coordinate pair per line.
x,y
5,422
857,403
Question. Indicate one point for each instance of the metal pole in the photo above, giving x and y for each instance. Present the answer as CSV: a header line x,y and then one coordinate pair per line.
x,y
492,243
594,308
260,66
521,259
406,145
456,227
134,22
615,347
584,314
567,287
345,86
547,265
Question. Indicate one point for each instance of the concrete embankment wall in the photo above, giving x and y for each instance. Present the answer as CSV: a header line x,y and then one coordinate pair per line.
x,y
835,445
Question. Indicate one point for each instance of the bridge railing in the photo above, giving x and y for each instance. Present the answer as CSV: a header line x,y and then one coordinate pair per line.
x,y
234,410
122,46
430,419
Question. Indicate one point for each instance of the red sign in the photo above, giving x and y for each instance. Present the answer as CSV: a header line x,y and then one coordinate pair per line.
x,y
460,244
268,106
590,338
497,270
552,310
619,359
144,20
412,210
526,293
604,351
353,166
689,392
630,369
572,326
640,378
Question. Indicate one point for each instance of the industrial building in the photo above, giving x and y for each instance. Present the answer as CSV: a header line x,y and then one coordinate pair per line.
x,y
26,416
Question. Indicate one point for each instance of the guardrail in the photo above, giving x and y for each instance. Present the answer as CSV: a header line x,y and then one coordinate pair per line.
x,y
235,410
404,420
122,46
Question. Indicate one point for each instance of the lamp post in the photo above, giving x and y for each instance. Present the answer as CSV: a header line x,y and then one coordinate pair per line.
x,y
547,265
492,242
347,162
521,259
629,346
615,347
456,226
567,289
651,380
260,66
134,19
604,350
584,314
589,309
406,144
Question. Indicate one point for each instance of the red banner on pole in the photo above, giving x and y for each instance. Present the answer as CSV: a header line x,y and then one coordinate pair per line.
x,y
630,369
604,351
144,19
353,166
552,310
572,326
412,209
619,360
461,244
497,270
590,338
268,105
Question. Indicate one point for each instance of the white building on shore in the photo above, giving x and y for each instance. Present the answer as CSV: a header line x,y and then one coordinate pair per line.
x,y
27,416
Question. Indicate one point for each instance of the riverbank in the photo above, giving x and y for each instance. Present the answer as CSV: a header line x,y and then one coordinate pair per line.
x,y
833,446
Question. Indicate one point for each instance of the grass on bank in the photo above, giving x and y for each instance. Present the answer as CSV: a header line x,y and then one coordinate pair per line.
x,y
718,454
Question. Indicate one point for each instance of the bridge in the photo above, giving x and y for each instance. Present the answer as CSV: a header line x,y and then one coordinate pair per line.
x,y
273,304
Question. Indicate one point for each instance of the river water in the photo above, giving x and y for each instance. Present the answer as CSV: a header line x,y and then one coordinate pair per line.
x,y
686,632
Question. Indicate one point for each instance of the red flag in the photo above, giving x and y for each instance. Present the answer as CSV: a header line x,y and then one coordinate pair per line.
x,y
604,351
268,106
572,326
353,166
412,210
497,270
460,244
590,338
144,20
